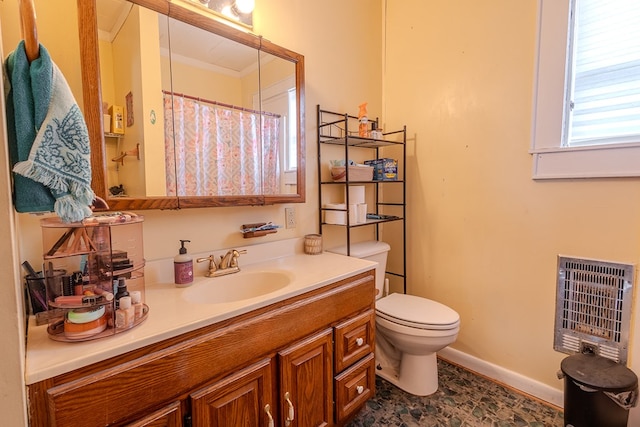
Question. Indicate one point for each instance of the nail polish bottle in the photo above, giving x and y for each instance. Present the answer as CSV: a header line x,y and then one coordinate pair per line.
x,y
125,315
122,291
136,301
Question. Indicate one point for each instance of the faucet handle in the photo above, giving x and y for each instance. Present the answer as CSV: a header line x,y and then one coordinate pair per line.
x,y
212,264
230,259
235,254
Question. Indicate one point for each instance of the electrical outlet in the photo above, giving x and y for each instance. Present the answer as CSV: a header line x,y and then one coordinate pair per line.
x,y
290,217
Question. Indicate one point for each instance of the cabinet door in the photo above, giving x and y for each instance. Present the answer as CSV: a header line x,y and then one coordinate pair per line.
x,y
306,391
240,399
169,416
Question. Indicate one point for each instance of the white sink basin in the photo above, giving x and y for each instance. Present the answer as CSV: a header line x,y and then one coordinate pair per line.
x,y
236,287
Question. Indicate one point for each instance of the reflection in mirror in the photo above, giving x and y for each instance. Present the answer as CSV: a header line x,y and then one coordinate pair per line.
x,y
278,99
134,67
213,115
237,11
269,89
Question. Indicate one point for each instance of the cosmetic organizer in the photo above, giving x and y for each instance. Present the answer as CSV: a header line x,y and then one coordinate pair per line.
x,y
88,268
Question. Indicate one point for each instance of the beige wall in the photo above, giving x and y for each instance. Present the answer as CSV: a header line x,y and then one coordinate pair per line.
x,y
12,326
127,49
485,236
207,84
121,65
152,144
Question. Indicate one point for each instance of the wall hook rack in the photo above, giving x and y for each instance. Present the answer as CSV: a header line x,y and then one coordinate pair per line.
x,y
134,152
29,30
258,229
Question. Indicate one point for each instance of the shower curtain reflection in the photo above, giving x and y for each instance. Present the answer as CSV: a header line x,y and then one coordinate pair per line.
x,y
216,150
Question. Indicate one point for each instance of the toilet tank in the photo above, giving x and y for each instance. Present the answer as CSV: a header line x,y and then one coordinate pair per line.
x,y
372,250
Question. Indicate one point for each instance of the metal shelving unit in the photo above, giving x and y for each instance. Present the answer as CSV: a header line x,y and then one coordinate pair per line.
x,y
334,129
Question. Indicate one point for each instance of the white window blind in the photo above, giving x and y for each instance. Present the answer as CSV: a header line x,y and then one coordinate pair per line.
x,y
604,70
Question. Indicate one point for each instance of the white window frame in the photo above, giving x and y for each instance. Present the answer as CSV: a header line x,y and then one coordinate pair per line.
x,y
550,160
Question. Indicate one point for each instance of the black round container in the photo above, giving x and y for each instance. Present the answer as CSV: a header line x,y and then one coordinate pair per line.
x,y
598,392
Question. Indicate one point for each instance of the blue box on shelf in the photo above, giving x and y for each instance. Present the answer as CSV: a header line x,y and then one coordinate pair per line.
x,y
384,169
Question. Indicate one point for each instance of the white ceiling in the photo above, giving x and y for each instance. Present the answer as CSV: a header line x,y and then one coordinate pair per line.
x,y
188,43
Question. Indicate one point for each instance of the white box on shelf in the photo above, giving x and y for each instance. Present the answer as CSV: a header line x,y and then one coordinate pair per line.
x,y
356,194
338,217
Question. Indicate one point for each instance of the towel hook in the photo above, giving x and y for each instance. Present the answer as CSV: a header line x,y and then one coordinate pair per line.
x,y
123,154
29,29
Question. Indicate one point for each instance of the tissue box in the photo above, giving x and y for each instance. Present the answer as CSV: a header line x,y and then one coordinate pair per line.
x,y
384,169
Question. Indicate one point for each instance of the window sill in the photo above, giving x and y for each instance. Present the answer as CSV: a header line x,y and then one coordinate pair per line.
x,y
603,161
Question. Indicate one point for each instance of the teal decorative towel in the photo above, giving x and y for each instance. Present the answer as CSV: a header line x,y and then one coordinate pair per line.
x,y
59,156
24,117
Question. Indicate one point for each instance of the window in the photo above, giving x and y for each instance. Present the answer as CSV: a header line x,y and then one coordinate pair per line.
x,y
587,97
280,98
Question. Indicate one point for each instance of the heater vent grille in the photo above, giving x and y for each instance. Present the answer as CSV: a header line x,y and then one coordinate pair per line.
x,y
593,307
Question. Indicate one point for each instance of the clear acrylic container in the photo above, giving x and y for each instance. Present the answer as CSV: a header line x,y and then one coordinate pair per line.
x,y
82,260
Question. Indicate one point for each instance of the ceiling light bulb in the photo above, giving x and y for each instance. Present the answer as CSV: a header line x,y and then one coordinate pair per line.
x,y
245,6
228,12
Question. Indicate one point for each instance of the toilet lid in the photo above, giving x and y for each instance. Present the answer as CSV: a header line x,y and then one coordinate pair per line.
x,y
417,312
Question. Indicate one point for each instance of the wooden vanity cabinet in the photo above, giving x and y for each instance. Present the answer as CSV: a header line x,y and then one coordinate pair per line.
x,y
306,382
169,416
243,398
249,398
283,355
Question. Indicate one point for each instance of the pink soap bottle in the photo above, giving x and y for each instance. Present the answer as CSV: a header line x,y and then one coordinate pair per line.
x,y
183,267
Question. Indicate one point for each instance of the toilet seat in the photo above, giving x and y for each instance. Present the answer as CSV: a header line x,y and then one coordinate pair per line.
x,y
416,312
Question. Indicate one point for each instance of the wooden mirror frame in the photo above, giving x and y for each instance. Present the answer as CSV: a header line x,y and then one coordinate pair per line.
x,y
90,67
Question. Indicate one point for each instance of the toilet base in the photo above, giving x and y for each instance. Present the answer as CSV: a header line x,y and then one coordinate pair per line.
x,y
418,375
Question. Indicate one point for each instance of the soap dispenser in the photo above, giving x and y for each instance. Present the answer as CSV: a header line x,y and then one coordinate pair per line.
x,y
183,267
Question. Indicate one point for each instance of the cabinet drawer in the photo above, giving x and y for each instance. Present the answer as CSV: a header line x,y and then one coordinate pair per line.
x,y
354,339
354,387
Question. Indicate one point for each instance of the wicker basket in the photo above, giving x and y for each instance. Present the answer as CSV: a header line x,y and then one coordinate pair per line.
x,y
356,173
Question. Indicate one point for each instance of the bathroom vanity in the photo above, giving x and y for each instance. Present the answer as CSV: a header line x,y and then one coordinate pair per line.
x,y
301,355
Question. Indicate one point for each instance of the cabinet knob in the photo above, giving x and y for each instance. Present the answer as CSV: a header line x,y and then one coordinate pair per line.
x,y
267,409
359,389
359,342
291,413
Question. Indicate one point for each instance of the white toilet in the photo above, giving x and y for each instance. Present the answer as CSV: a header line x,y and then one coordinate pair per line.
x,y
409,329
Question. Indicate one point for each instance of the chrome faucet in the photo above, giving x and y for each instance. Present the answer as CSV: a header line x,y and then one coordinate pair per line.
x,y
228,263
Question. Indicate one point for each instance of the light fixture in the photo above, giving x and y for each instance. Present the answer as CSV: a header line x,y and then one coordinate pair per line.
x,y
229,12
238,8
245,6
236,11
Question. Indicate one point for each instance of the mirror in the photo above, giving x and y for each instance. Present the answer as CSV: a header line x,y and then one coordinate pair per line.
x,y
248,94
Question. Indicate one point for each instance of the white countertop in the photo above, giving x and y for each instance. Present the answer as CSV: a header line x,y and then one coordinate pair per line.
x,y
170,314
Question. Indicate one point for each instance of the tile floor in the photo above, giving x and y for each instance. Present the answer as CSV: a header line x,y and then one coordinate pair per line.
x,y
463,399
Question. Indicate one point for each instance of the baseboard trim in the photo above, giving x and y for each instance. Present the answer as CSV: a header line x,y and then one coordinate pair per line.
x,y
512,379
